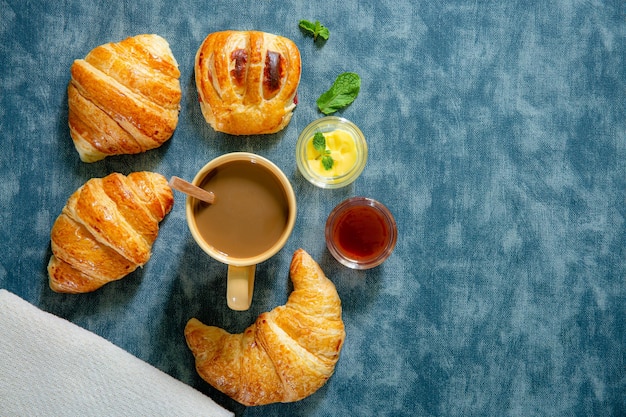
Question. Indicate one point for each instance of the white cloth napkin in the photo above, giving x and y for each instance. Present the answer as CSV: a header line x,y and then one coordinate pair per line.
x,y
51,367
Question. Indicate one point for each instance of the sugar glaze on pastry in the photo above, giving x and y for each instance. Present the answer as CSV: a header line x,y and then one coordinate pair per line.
x,y
286,354
124,98
247,81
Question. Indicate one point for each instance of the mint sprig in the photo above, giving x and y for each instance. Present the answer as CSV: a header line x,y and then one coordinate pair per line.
x,y
319,143
343,92
315,28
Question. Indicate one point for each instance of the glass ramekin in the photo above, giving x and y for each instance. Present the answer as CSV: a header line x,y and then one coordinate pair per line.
x,y
325,125
385,243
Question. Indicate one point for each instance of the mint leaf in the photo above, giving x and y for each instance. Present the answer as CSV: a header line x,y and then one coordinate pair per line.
x,y
328,162
321,31
343,92
315,28
307,26
319,143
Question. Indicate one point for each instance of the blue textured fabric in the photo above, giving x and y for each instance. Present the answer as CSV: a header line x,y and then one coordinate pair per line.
x,y
497,138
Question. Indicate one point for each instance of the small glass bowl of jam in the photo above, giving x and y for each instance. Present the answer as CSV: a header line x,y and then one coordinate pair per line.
x,y
361,233
345,146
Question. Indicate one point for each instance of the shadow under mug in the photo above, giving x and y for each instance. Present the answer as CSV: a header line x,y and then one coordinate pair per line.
x,y
241,270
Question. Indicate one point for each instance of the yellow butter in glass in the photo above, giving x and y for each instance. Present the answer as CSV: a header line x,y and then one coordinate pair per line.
x,y
342,149
345,144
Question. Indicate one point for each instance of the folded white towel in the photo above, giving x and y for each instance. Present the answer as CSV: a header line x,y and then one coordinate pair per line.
x,y
51,367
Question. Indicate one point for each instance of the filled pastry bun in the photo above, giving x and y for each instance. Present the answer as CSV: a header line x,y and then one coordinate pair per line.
x,y
247,81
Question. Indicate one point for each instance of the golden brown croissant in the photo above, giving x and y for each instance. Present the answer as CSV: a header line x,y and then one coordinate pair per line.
x,y
247,81
287,354
124,98
106,230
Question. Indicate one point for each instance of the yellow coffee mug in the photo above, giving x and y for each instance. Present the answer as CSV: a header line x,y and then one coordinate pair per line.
x,y
250,221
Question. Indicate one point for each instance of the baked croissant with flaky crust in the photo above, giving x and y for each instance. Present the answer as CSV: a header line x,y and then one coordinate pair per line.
x,y
287,354
123,98
106,230
247,81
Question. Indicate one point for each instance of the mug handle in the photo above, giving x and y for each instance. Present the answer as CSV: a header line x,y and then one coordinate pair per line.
x,y
240,286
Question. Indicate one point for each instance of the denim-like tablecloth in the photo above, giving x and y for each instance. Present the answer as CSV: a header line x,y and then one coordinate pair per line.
x,y
497,138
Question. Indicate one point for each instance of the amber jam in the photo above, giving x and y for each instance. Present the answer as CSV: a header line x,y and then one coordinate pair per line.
x,y
361,233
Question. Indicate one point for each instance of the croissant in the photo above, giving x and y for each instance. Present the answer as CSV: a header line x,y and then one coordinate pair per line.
x,y
123,98
247,81
106,230
287,354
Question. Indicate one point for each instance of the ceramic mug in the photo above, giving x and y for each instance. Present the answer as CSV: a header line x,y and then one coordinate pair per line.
x,y
250,221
